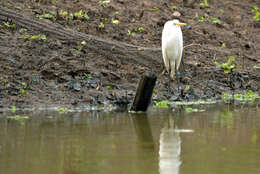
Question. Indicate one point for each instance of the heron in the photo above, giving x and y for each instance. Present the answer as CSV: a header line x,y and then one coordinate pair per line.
x,y
172,47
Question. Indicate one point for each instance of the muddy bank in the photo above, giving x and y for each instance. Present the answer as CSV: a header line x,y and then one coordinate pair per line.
x,y
52,60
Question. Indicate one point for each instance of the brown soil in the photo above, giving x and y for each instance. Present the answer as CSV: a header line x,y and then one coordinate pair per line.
x,y
106,70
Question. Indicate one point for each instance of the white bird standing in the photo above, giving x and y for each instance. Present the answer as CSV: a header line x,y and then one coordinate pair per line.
x,y
172,47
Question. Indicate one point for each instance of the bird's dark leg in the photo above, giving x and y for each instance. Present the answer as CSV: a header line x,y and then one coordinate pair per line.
x,y
177,76
169,78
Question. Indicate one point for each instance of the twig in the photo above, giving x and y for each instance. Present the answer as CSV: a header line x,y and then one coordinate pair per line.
x,y
191,45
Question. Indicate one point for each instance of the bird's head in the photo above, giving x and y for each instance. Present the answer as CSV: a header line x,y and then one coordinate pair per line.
x,y
176,22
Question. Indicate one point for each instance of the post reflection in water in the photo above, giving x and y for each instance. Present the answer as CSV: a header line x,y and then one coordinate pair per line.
x,y
170,148
143,132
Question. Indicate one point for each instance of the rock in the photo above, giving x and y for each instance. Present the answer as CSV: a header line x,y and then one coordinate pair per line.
x,y
77,86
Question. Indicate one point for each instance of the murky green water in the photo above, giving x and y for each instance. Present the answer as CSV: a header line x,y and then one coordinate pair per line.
x,y
223,140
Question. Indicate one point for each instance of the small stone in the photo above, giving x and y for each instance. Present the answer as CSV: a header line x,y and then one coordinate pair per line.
x,y
77,86
177,14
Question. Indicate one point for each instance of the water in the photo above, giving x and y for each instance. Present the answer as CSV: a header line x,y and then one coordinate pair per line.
x,y
220,140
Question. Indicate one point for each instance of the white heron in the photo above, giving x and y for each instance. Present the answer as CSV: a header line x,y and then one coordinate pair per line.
x,y
172,47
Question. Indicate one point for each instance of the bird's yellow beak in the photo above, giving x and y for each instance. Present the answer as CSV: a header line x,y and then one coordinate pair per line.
x,y
181,24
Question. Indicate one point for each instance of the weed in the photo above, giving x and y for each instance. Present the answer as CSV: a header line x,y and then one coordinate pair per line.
x,y
256,11
81,15
63,14
221,11
130,33
228,66
202,19
9,25
104,3
115,21
155,91
81,45
204,4
162,104
63,110
256,67
101,25
47,16
117,13
187,88
155,9
246,96
13,109
189,110
37,37
174,7
209,19
24,84
20,119
223,45
105,19
225,97
89,76
25,31
140,29
22,91
214,20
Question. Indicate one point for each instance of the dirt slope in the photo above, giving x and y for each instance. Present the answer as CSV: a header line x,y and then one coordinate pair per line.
x,y
82,62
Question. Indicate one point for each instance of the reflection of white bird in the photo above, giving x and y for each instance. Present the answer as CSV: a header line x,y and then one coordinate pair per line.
x,y
170,150
172,46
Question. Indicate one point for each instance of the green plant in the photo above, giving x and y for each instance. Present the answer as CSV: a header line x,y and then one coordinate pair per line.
x,y
221,11
214,20
36,37
223,45
115,21
81,15
256,67
140,29
250,95
25,31
9,25
202,19
105,19
189,110
101,25
63,110
256,11
13,109
22,91
227,66
47,16
81,45
24,84
63,14
86,75
210,19
162,104
130,33
105,3
204,3
226,97
246,96
174,7
155,9
20,119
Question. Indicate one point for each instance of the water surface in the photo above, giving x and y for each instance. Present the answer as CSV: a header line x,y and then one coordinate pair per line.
x,y
221,140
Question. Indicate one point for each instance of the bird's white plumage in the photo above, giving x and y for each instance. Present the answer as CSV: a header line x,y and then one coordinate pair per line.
x,y
172,45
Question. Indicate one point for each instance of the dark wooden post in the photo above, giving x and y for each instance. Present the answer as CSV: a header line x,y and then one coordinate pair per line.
x,y
144,92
